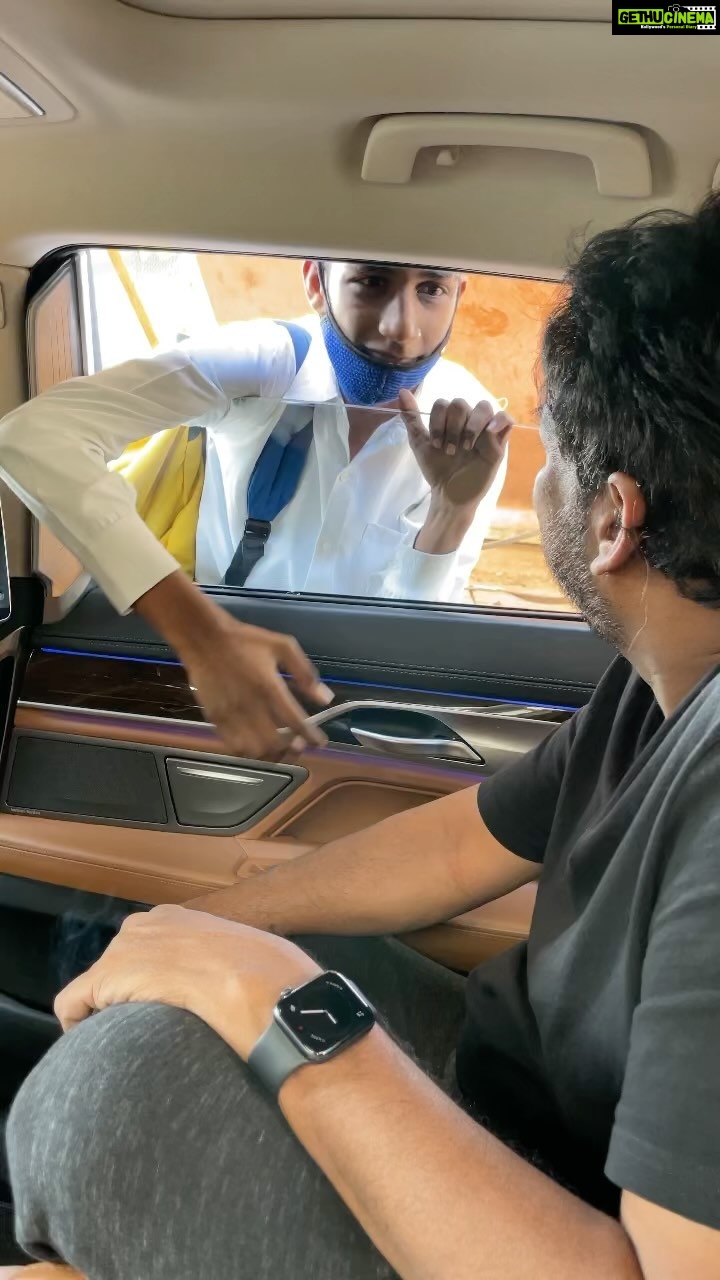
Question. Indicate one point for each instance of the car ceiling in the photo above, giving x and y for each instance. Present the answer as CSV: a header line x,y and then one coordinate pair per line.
x,y
231,131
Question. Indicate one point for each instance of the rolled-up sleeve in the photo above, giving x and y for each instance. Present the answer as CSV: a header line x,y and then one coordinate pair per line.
x,y
54,450
422,575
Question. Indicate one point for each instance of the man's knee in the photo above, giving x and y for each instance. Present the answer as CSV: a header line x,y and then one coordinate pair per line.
x,y
81,1080
88,1122
141,1146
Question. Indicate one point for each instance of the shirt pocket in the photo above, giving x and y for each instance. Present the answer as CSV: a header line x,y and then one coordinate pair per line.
x,y
377,560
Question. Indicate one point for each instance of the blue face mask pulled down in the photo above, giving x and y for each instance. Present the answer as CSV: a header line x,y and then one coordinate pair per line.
x,y
367,382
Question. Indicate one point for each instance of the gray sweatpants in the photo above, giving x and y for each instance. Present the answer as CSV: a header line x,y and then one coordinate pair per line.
x,y
141,1149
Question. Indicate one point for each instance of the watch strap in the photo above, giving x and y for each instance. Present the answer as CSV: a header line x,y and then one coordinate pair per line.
x,y
275,1057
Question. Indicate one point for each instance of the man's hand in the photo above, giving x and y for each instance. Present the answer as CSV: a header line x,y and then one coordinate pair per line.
x,y
461,451
235,670
228,974
238,682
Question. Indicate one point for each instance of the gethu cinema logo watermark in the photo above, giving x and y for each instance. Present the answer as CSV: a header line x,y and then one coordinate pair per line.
x,y
680,18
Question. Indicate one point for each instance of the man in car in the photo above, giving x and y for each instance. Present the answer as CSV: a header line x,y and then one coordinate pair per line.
x,y
339,493
235,1109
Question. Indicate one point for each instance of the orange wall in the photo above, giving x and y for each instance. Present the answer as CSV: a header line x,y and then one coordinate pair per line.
x,y
496,336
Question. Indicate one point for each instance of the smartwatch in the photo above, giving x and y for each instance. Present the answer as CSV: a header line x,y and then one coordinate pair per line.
x,y
310,1023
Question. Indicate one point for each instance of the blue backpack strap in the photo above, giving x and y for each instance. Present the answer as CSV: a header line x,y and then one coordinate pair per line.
x,y
276,474
300,339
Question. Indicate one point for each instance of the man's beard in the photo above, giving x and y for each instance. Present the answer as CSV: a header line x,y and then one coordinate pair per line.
x,y
563,540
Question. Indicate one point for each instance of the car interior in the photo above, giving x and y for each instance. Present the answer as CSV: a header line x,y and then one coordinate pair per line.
x,y
241,137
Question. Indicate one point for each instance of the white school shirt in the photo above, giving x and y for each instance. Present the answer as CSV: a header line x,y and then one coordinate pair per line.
x,y
350,527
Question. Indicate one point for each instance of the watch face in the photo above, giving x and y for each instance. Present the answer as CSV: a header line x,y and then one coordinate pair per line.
x,y
325,1014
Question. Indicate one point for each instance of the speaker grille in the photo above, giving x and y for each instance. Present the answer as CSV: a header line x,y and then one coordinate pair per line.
x,y
85,781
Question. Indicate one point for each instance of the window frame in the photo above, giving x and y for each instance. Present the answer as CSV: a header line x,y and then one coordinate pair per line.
x,y
43,274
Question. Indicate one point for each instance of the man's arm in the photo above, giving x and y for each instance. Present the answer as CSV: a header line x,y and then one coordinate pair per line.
x,y
235,671
517,1223
54,452
435,559
55,448
414,869
441,1198
462,455
444,1200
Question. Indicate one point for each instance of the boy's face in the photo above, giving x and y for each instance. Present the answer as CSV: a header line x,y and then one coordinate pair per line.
x,y
399,314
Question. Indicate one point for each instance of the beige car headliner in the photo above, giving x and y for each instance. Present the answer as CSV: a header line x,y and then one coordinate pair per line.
x,y
246,128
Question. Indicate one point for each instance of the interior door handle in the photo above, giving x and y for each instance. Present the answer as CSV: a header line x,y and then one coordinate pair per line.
x,y
619,154
426,748
446,743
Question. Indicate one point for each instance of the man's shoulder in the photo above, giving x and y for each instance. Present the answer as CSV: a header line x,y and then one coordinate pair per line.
x,y
238,335
619,691
613,728
682,749
315,380
697,720
260,357
690,782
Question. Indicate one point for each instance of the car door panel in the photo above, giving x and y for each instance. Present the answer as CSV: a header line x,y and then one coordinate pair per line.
x,y
343,792
70,694
162,868
90,678
501,682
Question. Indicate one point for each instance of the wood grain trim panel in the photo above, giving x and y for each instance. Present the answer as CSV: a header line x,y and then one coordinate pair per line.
x,y
97,683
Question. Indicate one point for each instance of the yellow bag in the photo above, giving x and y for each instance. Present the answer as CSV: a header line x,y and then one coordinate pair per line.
x,y
167,472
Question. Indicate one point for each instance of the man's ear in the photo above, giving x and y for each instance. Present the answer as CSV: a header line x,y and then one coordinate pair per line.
x,y
313,285
462,286
617,517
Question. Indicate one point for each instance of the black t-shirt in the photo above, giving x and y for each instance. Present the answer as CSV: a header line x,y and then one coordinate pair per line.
x,y
598,1042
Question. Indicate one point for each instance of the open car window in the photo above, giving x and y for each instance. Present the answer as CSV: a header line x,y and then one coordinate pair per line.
x,y
354,512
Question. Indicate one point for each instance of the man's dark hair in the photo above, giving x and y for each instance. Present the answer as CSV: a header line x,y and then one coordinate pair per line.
x,y
631,365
